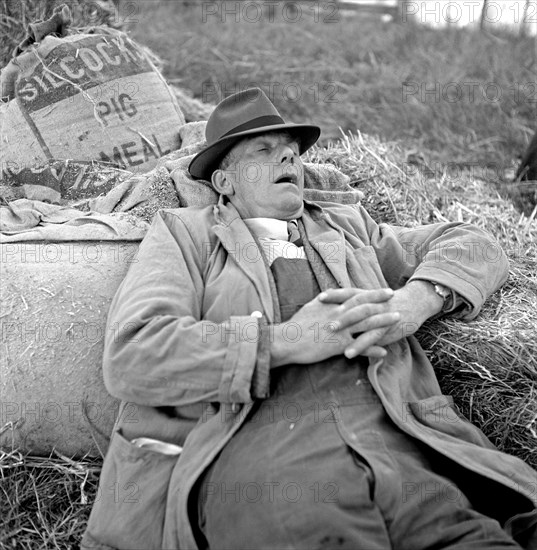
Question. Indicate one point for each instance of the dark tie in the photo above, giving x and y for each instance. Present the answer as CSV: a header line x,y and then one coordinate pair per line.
x,y
293,233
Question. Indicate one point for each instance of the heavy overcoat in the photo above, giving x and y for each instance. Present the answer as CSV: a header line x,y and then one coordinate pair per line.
x,y
188,359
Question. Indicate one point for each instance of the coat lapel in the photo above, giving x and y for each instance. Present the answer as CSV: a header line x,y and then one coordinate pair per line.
x,y
328,241
242,247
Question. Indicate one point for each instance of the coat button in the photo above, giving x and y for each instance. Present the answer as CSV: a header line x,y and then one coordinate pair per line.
x,y
257,314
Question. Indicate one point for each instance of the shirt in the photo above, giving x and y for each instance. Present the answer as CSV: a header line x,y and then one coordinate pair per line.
x,y
273,237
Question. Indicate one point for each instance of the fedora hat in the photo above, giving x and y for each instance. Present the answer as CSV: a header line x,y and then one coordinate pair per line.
x,y
245,113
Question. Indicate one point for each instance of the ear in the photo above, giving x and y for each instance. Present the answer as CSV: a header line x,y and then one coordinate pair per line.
x,y
221,183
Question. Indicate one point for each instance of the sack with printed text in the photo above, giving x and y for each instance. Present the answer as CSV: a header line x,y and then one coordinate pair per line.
x,y
94,96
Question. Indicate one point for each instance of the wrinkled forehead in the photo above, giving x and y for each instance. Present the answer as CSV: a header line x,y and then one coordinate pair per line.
x,y
268,138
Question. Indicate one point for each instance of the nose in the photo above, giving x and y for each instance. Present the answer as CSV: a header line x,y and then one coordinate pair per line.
x,y
287,155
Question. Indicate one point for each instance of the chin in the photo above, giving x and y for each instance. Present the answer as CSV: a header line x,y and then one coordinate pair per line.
x,y
293,209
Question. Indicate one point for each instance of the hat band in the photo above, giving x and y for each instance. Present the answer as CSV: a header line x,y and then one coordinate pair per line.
x,y
259,122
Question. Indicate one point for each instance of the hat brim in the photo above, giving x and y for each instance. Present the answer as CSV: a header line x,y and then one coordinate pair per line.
x,y
206,162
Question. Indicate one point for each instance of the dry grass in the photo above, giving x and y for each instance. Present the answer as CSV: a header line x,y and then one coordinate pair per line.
x,y
45,501
355,73
400,192
16,15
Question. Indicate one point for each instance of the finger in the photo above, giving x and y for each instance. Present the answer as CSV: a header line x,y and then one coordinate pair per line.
x,y
379,295
382,320
361,314
375,352
364,341
355,295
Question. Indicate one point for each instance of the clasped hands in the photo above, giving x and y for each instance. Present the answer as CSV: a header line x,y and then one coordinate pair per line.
x,y
353,322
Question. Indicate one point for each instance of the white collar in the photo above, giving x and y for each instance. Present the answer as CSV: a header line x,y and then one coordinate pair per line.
x,y
271,228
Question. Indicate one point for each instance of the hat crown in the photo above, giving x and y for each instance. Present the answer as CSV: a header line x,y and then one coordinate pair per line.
x,y
244,110
244,114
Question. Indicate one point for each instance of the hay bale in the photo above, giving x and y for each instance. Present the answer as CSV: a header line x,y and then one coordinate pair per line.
x,y
160,193
490,365
56,297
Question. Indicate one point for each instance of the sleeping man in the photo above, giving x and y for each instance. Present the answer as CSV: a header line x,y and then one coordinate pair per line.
x,y
268,347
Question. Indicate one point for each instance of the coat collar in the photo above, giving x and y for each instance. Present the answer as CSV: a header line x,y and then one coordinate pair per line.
x,y
322,233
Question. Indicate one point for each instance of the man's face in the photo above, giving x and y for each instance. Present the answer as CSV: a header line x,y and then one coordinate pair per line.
x,y
265,178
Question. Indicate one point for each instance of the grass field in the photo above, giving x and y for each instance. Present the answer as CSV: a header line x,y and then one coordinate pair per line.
x,y
454,96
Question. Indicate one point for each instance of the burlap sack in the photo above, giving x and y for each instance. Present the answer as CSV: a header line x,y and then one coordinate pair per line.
x,y
61,181
87,97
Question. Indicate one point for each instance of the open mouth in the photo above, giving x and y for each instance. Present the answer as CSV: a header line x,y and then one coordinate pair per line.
x,y
287,178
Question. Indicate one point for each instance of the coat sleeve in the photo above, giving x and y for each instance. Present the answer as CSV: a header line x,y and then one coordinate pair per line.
x,y
460,256
158,351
